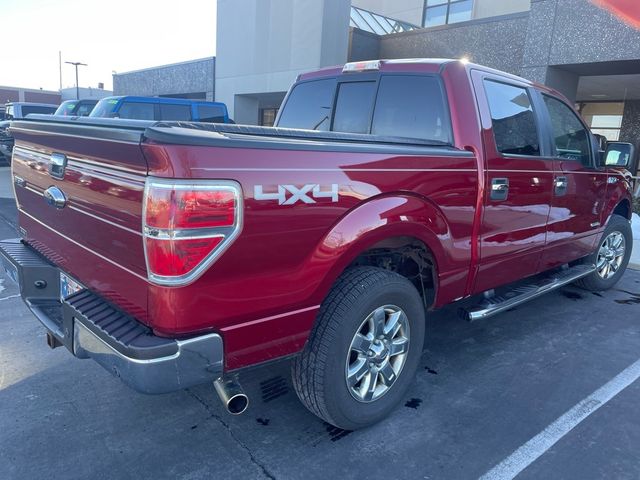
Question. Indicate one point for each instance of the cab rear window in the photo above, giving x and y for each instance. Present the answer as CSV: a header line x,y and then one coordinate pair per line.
x,y
309,105
408,106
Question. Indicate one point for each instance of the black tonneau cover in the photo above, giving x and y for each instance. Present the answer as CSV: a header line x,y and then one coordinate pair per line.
x,y
231,136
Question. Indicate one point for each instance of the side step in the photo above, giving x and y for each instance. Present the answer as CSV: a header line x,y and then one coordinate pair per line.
x,y
520,294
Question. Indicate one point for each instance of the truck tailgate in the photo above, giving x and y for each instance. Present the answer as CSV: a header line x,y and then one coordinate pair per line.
x,y
96,235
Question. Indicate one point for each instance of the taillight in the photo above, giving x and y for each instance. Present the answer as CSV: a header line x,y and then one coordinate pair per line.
x,y
187,224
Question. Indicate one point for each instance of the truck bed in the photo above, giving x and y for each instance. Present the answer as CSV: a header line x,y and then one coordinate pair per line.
x,y
268,286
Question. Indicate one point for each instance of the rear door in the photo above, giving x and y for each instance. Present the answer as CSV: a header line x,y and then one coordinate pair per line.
x,y
579,187
518,181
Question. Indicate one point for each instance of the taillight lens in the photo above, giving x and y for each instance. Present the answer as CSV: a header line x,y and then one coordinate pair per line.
x,y
187,225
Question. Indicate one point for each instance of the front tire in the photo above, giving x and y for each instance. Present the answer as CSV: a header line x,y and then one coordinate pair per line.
x,y
611,257
364,350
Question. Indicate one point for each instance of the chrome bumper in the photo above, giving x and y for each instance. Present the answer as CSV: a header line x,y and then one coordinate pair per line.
x,y
145,362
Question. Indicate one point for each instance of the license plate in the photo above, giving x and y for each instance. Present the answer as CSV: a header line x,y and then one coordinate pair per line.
x,y
68,286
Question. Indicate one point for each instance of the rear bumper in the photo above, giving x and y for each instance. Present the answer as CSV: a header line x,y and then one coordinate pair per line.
x,y
90,327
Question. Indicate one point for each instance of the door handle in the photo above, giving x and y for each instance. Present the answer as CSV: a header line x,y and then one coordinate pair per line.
x,y
499,189
560,185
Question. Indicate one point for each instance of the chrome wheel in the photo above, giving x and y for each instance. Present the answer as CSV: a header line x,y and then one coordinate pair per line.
x,y
611,255
377,353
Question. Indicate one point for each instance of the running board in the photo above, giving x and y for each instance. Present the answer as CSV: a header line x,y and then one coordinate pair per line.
x,y
495,304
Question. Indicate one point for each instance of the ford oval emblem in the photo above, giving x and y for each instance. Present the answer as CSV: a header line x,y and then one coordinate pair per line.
x,y
55,197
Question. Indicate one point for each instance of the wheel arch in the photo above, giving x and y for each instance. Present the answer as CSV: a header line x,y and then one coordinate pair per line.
x,y
623,208
385,222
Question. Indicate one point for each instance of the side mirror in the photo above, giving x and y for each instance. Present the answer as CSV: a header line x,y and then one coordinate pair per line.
x,y
619,154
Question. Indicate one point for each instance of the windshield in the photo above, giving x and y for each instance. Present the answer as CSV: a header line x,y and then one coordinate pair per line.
x,y
104,108
66,108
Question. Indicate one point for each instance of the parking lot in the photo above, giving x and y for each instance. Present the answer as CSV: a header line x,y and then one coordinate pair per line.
x,y
483,391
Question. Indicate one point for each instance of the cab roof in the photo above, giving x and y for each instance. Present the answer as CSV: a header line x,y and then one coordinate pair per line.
x,y
423,65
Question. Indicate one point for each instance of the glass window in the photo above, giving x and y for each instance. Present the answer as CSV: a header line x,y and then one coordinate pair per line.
x,y
512,118
268,116
571,138
211,113
175,112
104,108
65,108
309,105
84,109
442,12
411,106
137,111
435,16
604,118
353,107
460,11
28,109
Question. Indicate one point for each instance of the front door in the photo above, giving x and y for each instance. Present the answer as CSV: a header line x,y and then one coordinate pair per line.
x,y
579,188
518,182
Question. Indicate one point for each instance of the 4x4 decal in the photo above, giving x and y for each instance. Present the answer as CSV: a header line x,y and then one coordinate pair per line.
x,y
290,194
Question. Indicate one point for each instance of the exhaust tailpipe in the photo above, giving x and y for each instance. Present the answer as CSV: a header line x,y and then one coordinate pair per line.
x,y
231,395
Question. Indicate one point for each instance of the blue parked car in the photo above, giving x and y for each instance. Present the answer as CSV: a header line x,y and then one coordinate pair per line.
x,y
161,108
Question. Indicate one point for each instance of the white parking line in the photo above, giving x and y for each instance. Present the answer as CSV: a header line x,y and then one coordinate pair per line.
x,y
538,445
10,296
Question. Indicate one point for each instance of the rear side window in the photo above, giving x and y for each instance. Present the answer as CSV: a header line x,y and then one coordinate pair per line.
x,y
137,111
210,113
512,118
412,107
353,107
175,112
28,109
570,137
309,106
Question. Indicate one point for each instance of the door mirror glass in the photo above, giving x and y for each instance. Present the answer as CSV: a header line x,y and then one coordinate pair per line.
x,y
618,154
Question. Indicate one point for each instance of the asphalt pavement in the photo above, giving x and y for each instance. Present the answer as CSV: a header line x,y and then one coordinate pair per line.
x,y
547,390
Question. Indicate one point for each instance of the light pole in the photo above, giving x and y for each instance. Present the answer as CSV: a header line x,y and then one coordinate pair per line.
x,y
76,64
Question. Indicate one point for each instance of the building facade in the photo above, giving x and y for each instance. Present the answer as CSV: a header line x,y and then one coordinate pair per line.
x,y
262,45
18,94
84,93
192,79
574,46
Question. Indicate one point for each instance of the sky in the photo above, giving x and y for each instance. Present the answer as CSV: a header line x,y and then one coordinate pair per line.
x,y
108,35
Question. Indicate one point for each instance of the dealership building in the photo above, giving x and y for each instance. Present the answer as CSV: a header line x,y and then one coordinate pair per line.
x,y
574,46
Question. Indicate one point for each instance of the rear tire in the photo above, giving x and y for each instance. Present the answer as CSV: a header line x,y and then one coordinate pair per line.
x,y
611,256
364,349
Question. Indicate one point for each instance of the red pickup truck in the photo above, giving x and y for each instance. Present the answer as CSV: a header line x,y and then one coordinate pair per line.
x,y
178,253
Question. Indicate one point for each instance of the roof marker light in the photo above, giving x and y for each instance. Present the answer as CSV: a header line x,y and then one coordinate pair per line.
x,y
361,66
